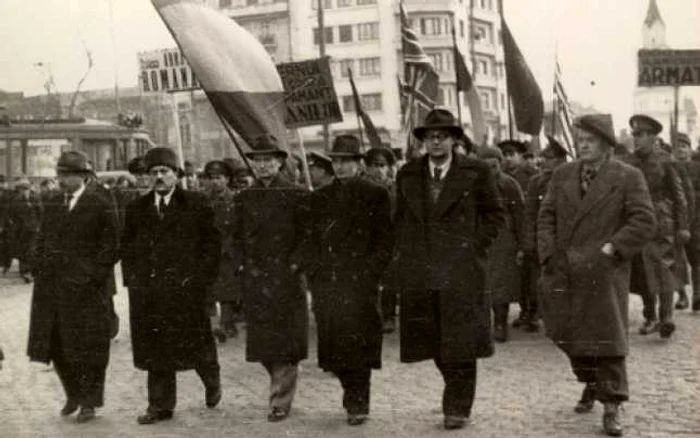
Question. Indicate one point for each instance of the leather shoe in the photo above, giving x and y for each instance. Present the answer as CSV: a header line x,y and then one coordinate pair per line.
x,y
519,321
696,301
453,422
86,414
277,414
682,302
356,419
220,335
666,329
532,326
151,417
212,396
500,333
69,408
587,401
611,420
649,327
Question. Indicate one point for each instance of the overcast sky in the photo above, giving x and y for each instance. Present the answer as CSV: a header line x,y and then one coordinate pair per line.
x,y
596,40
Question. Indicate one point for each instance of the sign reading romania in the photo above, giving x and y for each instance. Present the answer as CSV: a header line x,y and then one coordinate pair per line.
x,y
310,96
661,68
165,70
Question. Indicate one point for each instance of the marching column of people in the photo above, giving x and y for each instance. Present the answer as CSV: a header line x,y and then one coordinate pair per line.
x,y
451,239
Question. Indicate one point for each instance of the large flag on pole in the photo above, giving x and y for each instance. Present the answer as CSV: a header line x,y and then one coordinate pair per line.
x,y
372,135
562,112
420,86
466,84
232,66
525,94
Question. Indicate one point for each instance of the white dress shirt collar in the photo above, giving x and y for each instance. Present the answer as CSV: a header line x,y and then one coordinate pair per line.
x,y
166,197
444,167
75,196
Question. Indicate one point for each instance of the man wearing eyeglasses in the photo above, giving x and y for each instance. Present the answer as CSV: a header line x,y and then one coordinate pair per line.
x,y
447,214
652,270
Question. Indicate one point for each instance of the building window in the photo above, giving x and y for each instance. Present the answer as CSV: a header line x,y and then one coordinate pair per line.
x,y
368,31
345,33
431,26
485,100
440,100
327,4
366,2
345,65
224,4
265,28
348,104
437,61
503,101
328,35
370,66
371,102
344,3
483,67
483,33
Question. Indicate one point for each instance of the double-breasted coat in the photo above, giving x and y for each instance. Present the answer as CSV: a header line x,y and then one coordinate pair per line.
x,y
268,226
169,265
441,246
584,293
349,245
76,253
503,279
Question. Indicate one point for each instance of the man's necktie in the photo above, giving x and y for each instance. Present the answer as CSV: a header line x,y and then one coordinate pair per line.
x,y
437,174
161,207
587,177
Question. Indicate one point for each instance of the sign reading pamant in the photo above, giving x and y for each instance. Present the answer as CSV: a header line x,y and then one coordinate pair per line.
x,y
165,70
309,93
661,68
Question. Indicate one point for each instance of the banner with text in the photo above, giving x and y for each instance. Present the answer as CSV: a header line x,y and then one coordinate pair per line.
x,y
165,70
663,68
309,93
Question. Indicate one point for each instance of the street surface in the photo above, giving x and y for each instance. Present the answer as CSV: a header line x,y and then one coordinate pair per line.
x,y
526,389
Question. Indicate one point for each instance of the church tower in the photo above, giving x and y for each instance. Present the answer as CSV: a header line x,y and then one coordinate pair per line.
x,y
654,28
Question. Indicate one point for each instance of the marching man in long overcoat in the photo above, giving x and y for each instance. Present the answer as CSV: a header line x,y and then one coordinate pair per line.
x,y
596,216
447,214
70,319
268,227
348,249
170,258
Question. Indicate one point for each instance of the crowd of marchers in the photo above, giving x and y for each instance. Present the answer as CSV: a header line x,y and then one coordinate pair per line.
x,y
436,245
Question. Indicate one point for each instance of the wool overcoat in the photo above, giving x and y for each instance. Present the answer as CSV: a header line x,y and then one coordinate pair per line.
x,y
76,253
584,293
227,287
348,248
169,265
441,246
268,226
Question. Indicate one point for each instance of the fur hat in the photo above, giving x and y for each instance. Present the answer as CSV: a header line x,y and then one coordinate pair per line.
x,y
161,157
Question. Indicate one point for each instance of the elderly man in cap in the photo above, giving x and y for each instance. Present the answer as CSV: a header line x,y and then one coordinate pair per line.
x,y
505,255
552,156
268,227
447,215
597,214
349,246
652,269
216,181
320,169
516,166
77,248
23,220
170,257
682,153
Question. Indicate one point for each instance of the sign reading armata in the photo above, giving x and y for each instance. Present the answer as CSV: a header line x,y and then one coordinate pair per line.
x,y
663,68
309,93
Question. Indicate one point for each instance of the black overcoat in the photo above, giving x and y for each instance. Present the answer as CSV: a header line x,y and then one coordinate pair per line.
x,y
169,265
76,253
443,247
349,247
268,227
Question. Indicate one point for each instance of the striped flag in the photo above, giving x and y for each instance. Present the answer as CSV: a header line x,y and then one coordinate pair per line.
x,y
421,81
562,113
232,66
466,84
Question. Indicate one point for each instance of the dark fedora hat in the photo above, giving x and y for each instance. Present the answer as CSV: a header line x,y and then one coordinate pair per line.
x,y
137,166
161,157
439,119
398,153
318,159
218,167
512,145
598,124
554,149
346,146
73,162
372,153
642,122
266,144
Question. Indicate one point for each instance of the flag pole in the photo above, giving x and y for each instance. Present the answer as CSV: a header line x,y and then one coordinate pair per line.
x,y
322,54
304,162
454,60
235,143
357,111
508,99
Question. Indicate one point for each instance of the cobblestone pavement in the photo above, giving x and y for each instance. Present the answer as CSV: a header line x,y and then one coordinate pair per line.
x,y
526,389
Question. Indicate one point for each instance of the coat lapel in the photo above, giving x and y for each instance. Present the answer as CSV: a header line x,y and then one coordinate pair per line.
x,y
412,187
343,213
456,186
572,186
174,210
602,185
